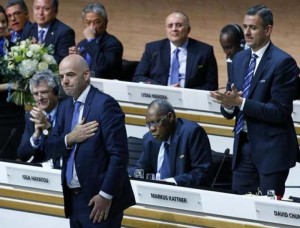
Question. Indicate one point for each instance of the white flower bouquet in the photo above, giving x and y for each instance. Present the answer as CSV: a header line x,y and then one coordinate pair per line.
x,y
22,62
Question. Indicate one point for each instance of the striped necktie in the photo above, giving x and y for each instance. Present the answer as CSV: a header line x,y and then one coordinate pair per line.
x,y
246,86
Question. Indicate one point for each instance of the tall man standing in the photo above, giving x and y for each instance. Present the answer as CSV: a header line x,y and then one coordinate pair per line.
x,y
260,95
95,181
49,30
178,61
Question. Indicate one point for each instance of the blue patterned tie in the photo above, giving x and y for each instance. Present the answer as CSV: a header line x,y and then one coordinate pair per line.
x,y
41,36
246,86
70,163
165,170
174,77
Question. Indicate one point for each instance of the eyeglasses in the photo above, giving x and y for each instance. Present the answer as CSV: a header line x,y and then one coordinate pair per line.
x,y
156,123
41,93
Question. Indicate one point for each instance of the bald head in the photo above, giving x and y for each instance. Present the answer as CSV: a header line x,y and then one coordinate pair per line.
x,y
177,28
74,74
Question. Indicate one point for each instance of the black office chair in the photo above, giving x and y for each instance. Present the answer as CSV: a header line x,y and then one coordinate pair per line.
x,y
220,175
135,148
128,69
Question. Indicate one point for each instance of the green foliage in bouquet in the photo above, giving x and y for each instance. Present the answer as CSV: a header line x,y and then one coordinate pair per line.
x,y
21,63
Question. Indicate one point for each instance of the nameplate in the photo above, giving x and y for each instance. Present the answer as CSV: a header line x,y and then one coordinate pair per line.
x,y
268,211
33,179
139,94
169,198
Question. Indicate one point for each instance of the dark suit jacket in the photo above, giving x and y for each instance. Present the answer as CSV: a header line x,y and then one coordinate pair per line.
x,y
268,109
101,161
106,52
59,35
26,151
201,65
190,154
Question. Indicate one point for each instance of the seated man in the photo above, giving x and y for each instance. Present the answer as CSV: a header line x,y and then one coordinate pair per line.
x,y
40,119
178,61
18,18
102,51
177,150
47,29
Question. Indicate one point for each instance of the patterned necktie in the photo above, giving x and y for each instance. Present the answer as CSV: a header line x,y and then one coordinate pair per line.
x,y
174,77
70,163
41,36
246,86
165,170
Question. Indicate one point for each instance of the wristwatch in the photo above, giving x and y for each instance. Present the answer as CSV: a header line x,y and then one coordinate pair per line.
x,y
46,130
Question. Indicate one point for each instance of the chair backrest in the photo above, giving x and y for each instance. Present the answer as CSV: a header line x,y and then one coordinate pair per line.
x,y
223,179
135,148
128,69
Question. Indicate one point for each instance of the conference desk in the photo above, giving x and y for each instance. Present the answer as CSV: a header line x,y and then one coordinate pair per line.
x,y
256,211
192,104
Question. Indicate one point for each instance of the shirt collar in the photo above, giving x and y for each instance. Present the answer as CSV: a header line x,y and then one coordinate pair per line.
x,y
83,95
261,51
181,48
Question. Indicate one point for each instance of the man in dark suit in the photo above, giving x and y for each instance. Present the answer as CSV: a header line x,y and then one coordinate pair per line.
x,y
40,119
265,143
196,63
49,30
176,150
18,19
95,181
102,51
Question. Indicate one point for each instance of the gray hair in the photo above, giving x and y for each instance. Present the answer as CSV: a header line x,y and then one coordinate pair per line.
x,y
164,107
21,3
96,8
44,76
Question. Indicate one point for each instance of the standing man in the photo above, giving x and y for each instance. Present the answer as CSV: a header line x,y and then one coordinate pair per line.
x,y
49,30
178,61
260,95
101,50
176,150
41,119
18,19
90,133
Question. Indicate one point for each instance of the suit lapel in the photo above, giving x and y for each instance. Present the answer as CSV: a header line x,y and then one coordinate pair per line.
x,y
51,33
189,60
173,148
264,63
165,60
88,102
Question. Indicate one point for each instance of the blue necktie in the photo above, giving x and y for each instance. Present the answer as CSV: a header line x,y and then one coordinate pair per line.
x,y
246,86
165,170
41,36
174,77
15,37
70,163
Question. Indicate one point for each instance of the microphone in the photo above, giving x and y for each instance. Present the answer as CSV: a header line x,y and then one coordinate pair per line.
x,y
12,133
226,153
